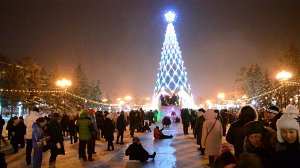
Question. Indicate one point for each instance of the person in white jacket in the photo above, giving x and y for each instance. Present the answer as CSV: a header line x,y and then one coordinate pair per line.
x,y
212,133
28,121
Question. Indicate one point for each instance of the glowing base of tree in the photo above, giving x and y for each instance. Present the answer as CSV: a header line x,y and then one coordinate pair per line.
x,y
185,100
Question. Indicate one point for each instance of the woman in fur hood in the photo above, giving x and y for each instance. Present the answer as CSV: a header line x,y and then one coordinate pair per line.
x,y
260,140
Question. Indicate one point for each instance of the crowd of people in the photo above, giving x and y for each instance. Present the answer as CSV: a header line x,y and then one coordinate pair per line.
x,y
43,133
269,138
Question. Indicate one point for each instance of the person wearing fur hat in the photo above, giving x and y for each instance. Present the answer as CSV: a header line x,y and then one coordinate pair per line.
x,y
212,133
271,116
235,135
198,129
260,140
288,135
109,128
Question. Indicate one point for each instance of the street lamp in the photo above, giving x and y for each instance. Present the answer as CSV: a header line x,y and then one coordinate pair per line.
x,y
283,76
64,83
221,96
128,98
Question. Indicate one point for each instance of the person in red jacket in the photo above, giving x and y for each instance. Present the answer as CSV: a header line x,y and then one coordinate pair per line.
x,y
159,135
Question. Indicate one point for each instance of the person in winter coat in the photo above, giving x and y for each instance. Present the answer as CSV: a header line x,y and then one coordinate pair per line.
x,y
9,126
99,120
18,132
260,140
198,129
185,116
72,129
135,151
271,116
96,131
22,132
235,134
28,121
86,130
225,159
132,122
56,138
121,126
109,128
38,139
212,132
288,135
64,123
3,163
158,134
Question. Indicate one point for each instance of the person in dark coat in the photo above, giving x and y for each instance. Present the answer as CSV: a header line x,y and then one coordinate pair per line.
x,y
64,124
260,140
271,116
21,131
132,122
225,116
100,120
9,126
235,134
18,132
135,151
3,163
288,132
198,129
72,129
108,126
56,137
121,126
185,116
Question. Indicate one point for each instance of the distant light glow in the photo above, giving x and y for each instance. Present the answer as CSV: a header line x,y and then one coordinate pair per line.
x,y
283,75
170,16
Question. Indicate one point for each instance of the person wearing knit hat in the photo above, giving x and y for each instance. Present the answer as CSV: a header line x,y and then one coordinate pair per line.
x,y
109,128
288,135
272,115
288,121
260,141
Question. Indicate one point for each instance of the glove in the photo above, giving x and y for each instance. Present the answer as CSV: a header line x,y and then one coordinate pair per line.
x,y
58,145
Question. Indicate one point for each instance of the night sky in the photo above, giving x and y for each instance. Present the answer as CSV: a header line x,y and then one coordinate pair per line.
x,y
119,41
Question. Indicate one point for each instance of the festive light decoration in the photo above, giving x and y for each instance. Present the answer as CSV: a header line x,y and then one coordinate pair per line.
x,y
172,76
245,98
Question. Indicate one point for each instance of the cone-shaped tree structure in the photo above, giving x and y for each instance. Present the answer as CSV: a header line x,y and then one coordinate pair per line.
x,y
172,75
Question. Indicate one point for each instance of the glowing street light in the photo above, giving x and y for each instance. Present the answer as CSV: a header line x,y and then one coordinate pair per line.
x,y
283,76
221,96
128,98
64,83
104,100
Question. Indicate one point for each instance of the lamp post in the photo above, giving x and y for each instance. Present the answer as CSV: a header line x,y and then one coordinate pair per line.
x,y
283,76
64,84
221,96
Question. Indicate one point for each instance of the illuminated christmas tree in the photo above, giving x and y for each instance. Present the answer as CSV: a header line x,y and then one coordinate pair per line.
x,y
172,76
